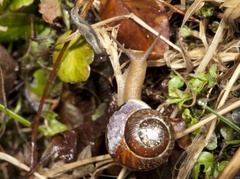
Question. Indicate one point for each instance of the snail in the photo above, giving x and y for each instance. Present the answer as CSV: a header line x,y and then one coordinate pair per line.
x,y
139,137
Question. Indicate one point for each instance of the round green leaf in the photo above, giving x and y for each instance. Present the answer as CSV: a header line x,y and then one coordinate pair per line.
x,y
74,66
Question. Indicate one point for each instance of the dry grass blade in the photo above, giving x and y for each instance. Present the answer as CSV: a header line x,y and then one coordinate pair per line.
x,y
59,170
209,118
212,48
191,10
232,11
232,168
14,161
112,50
122,173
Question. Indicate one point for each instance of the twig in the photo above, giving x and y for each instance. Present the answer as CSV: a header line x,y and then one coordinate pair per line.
x,y
2,82
36,122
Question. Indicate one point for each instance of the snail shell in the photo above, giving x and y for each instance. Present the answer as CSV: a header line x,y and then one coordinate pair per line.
x,y
138,137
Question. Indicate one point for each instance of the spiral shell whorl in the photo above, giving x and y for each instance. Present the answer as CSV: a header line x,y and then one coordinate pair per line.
x,y
141,139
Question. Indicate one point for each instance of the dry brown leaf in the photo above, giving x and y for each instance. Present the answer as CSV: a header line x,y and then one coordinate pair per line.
x,y
130,33
50,9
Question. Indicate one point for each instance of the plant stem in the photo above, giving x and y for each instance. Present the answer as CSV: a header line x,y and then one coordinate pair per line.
x,y
21,119
222,118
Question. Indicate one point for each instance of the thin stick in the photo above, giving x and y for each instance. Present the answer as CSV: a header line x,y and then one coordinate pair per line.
x,y
3,126
36,122
66,167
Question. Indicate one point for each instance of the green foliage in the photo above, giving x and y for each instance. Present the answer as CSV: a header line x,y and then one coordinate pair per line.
x,y
214,26
219,168
206,12
196,84
18,26
212,143
20,119
17,4
100,111
37,47
190,120
185,32
175,94
39,82
198,81
40,79
52,124
205,159
213,72
75,62
226,132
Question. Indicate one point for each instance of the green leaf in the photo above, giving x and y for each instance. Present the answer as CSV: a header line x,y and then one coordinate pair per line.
x,y
206,12
100,111
74,66
206,159
212,143
39,82
18,26
179,97
37,47
213,71
52,124
175,82
227,132
220,167
37,86
196,85
175,94
185,32
190,120
17,4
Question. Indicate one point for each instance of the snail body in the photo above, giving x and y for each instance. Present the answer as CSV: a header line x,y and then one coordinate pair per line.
x,y
138,137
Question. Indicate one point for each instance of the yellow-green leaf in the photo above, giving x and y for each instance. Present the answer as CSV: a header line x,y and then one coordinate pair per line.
x,y
74,66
